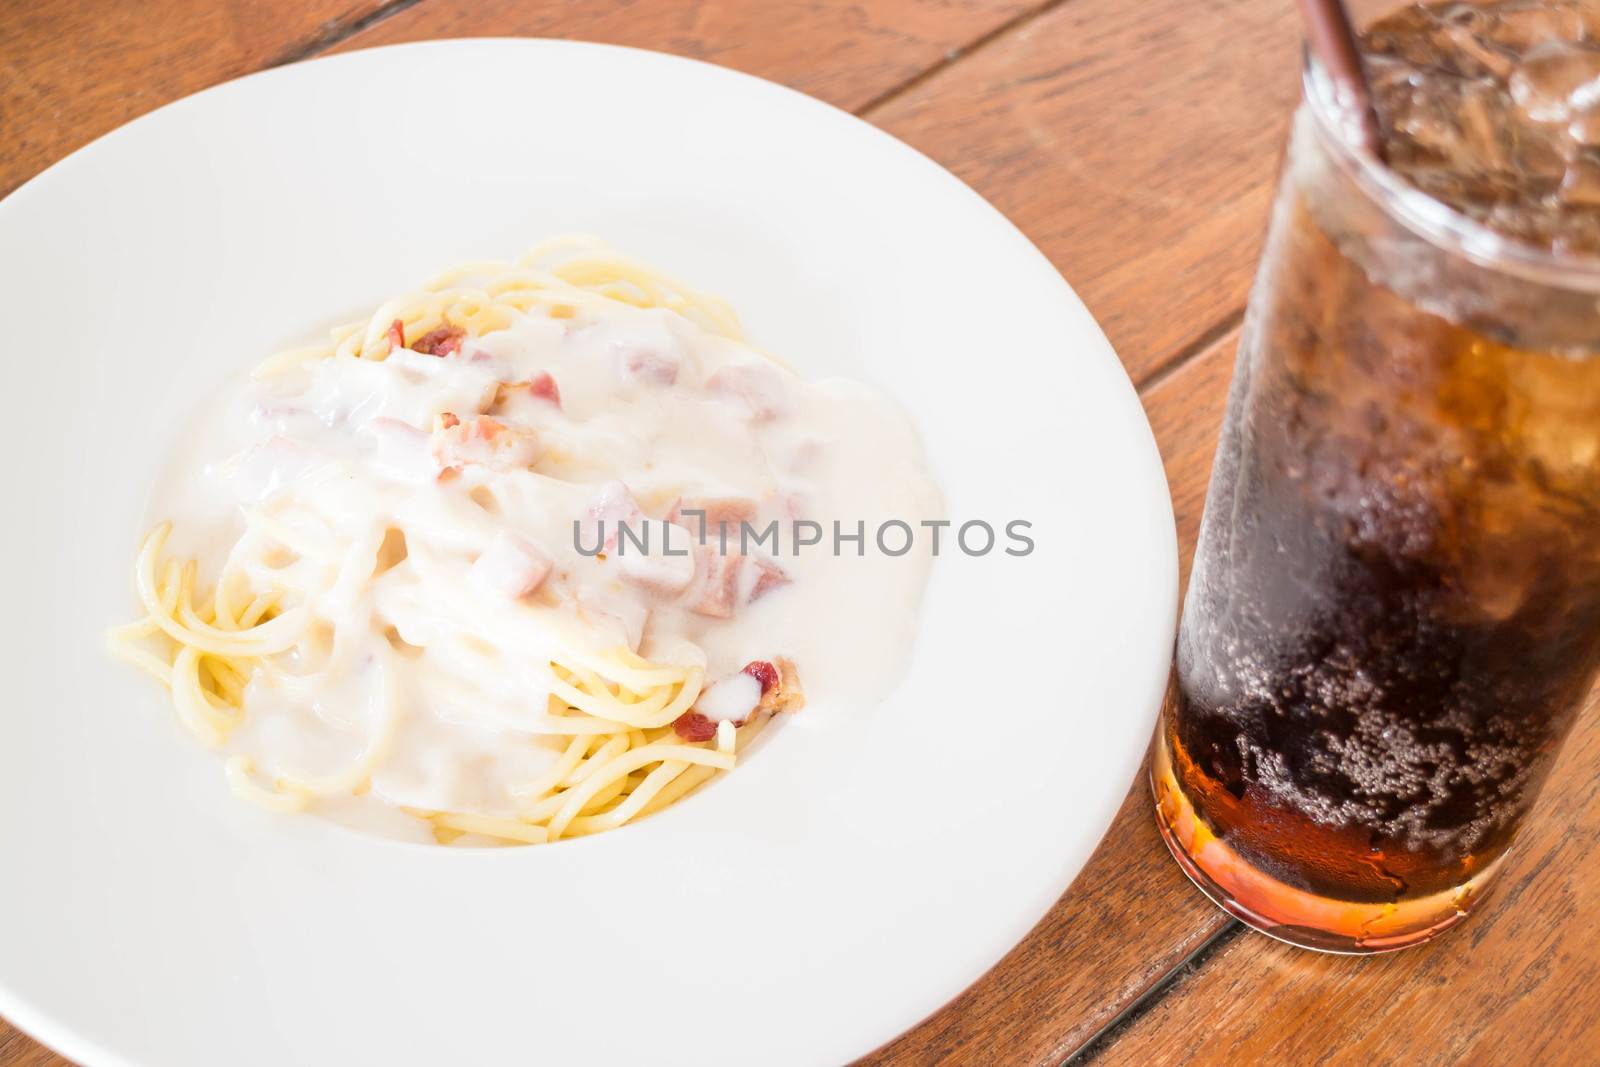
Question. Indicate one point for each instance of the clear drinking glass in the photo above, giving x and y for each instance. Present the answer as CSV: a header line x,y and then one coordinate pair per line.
x,y
1394,613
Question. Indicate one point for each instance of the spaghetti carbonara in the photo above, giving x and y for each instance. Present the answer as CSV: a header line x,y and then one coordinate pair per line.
x,y
483,566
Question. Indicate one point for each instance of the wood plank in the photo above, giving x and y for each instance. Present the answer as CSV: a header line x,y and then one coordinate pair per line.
x,y
1522,975
19,1050
1136,144
847,52
125,59
1064,975
129,58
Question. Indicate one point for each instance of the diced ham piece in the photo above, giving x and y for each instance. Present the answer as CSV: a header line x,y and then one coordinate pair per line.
x,y
757,389
656,570
400,450
647,366
396,334
484,441
442,340
611,509
706,516
474,354
768,576
510,567
648,351
715,523
718,591
541,387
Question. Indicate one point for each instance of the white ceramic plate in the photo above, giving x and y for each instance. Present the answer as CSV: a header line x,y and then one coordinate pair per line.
x,y
850,878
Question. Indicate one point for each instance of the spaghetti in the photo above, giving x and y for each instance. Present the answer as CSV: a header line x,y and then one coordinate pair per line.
x,y
373,623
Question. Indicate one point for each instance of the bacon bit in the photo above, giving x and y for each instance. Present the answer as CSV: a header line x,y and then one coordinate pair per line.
x,y
763,672
780,691
397,334
693,726
719,590
541,386
787,694
442,340
771,577
482,440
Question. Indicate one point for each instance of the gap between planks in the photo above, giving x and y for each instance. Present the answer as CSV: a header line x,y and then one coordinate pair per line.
x,y
337,30
1189,352
955,55
1103,1038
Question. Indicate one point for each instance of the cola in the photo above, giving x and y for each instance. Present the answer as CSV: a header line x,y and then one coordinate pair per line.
x,y
1394,613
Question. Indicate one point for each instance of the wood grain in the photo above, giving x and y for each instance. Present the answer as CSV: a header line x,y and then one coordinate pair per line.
x,y
1136,144
847,52
1072,977
71,70
18,1050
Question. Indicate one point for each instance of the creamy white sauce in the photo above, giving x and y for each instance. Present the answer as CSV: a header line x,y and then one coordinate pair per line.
x,y
337,453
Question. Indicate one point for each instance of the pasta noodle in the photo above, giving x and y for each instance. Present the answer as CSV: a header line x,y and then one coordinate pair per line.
x,y
617,757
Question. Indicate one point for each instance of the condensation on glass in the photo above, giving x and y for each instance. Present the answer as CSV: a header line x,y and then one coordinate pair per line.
x,y
1394,613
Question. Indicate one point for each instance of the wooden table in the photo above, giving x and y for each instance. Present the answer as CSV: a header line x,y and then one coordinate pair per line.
x,y
1136,143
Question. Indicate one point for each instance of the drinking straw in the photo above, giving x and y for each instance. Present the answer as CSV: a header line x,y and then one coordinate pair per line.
x,y
1333,42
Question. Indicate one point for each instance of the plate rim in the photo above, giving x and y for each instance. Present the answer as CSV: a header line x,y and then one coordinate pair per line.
x,y
58,1034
